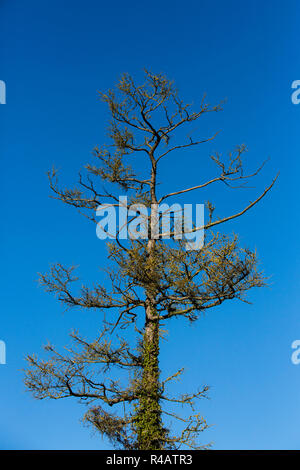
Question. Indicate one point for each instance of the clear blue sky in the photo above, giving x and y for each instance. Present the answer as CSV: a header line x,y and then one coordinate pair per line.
x,y
54,57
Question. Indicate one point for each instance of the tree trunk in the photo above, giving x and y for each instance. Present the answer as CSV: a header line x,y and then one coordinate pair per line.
x,y
150,431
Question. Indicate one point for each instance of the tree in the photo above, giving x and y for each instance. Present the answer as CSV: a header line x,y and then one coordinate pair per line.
x,y
154,279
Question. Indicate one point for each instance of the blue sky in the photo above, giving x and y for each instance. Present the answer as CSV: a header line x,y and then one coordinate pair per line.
x,y
54,57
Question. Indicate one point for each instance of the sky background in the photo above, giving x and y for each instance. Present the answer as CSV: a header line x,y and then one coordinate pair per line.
x,y
54,57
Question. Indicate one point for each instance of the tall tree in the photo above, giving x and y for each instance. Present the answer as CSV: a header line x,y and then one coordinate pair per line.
x,y
154,278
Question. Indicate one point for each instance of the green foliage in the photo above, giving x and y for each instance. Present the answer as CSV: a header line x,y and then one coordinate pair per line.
x,y
148,421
